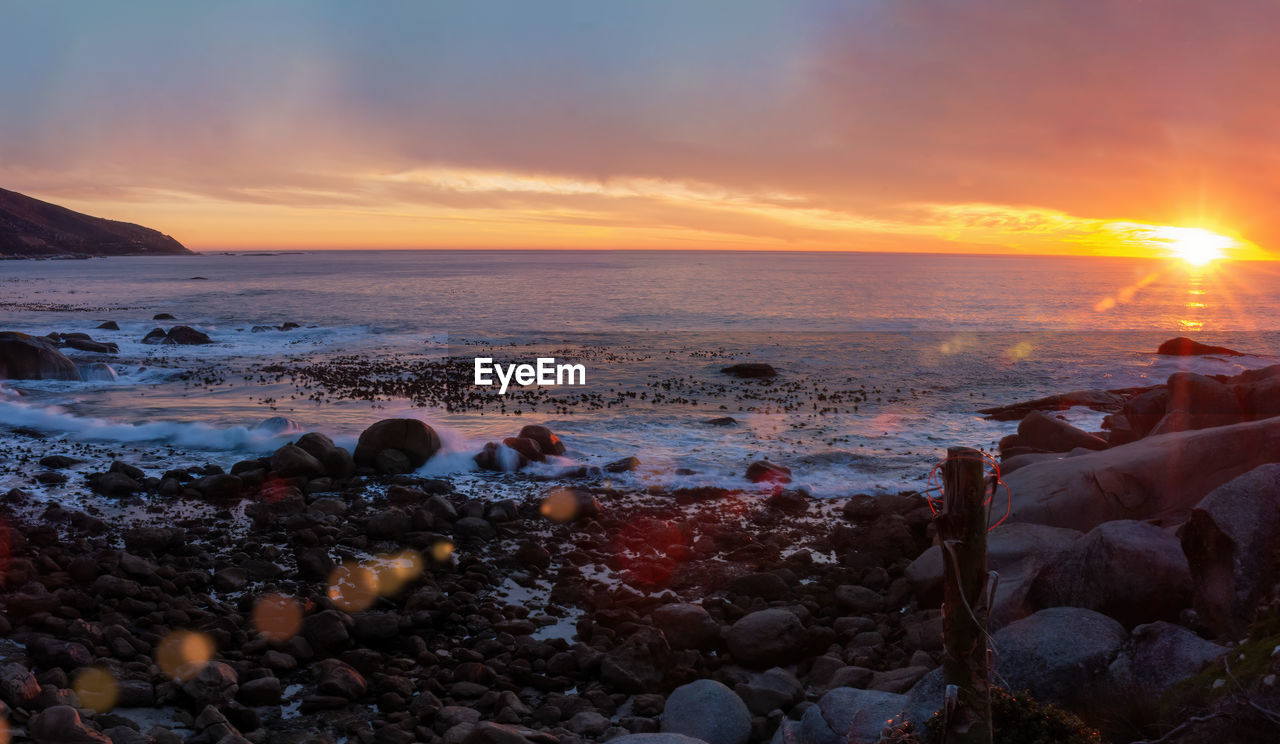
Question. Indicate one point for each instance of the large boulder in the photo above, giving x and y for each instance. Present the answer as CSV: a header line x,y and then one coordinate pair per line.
x,y
291,461
61,724
1205,401
686,626
1260,397
1156,657
414,439
1016,551
1131,571
24,357
1058,653
750,370
1231,543
766,638
1041,431
548,442
1158,479
845,715
1141,414
186,336
1183,346
707,710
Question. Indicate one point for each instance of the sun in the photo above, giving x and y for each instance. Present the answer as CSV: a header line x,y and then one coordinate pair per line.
x,y
1194,245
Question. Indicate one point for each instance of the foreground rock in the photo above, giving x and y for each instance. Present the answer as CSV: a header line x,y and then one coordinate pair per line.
x,y
1156,657
24,357
845,715
709,711
1058,654
1231,543
1158,479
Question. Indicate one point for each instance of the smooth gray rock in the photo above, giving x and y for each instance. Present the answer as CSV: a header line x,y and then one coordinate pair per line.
x,y
766,638
707,710
1057,653
1156,657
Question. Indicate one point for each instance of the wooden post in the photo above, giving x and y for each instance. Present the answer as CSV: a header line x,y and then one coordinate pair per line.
x,y
962,530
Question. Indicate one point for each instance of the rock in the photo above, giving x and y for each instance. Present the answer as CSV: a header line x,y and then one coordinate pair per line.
x,y
898,680
334,677
214,684
108,325
99,372
767,586
1143,412
24,357
528,448
261,691
1156,657
231,579
186,336
1052,434
722,421
82,342
638,664
766,638
221,487
392,462
18,686
291,461
656,739
847,715
1131,571
155,336
1059,653
163,316
1205,401
625,465
587,723
790,500
1183,346
1231,542
417,441
1260,398
1098,400
750,370
709,711
763,471
687,626
61,724
487,732
775,689
113,484
859,599
548,442
1158,479
533,555
475,527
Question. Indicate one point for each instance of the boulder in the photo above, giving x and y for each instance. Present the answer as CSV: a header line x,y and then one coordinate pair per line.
x,y
18,686
623,465
1158,479
337,678
155,336
1183,346
638,664
214,684
1131,571
1260,398
82,342
108,325
1231,542
61,724
186,336
774,689
763,471
687,626
1058,653
415,439
656,739
1206,401
1016,551
707,710
24,357
750,370
1142,413
548,442
291,461
1041,431
845,715
528,448
1156,657
766,638
336,461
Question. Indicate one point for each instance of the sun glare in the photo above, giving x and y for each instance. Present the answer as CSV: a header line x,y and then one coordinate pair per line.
x,y
1194,245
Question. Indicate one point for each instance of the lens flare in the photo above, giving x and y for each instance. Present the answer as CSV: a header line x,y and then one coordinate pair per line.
x,y
560,506
397,570
442,551
277,617
183,653
353,587
96,688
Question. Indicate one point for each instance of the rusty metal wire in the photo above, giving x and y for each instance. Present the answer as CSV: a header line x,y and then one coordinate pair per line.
x,y
933,491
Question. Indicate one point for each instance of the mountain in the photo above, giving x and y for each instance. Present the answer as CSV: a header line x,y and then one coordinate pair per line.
x,y
30,227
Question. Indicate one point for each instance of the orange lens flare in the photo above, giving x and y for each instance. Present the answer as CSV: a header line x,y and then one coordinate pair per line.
x,y
397,570
560,506
183,653
277,617
353,587
96,688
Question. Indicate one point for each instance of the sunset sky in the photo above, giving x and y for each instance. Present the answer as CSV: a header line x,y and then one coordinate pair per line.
x,y
1080,126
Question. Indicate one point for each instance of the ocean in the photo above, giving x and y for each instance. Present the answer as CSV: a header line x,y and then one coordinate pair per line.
x,y
883,359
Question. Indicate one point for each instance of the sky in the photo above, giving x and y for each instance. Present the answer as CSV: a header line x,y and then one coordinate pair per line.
x,y
1056,126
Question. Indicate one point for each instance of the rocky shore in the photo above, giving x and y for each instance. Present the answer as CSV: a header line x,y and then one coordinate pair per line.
x,y
321,594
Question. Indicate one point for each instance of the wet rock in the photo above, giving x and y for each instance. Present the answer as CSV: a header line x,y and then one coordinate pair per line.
x,y
61,724
534,555
1051,434
220,487
24,357
722,421
709,711
548,442
1183,346
790,500
1231,542
215,683
108,325
687,626
18,686
1132,571
186,336
261,691
334,677
763,471
113,484
766,638
414,439
475,527
528,448
231,579
625,465
291,461
638,664
1058,653
750,370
